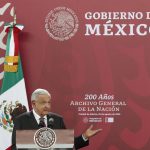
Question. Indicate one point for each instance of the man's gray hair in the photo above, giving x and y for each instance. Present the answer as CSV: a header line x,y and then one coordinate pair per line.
x,y
38,92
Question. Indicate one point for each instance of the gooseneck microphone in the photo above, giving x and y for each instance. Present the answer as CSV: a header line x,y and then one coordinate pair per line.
x,y
51,123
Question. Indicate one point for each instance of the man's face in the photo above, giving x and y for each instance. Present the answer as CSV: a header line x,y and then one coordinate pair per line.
x,y
42,104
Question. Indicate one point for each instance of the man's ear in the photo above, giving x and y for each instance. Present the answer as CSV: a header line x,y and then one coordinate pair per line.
x,y
33,102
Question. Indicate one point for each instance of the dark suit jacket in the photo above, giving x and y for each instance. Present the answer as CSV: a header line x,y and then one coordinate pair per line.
x,y
79,142
27,121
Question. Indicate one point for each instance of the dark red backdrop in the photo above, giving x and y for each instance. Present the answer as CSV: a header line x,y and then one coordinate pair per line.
x,y
70,69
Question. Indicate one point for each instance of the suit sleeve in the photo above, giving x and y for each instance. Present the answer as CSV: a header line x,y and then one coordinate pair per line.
x,y
13,139
14,136
16,127
79,142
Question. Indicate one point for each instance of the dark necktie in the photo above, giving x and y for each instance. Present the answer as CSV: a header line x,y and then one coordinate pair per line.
x,y
41,123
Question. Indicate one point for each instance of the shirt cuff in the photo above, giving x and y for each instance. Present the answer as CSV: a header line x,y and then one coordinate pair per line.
x,y
84,138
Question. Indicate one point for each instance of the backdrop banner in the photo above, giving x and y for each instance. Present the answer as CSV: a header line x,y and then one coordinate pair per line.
x,y
94,59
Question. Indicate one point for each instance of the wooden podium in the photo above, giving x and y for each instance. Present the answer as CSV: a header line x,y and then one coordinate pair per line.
x,y
64,139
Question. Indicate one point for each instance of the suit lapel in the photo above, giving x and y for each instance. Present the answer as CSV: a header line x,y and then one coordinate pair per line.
x,y
48,117
48,121
34,123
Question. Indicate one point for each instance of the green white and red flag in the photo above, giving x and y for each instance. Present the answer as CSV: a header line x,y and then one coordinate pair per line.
x,y
13,97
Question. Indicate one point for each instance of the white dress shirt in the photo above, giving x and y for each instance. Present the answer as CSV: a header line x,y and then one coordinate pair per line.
x,y
37,118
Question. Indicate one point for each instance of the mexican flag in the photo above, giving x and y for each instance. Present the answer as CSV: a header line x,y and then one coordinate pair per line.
x,y
13,98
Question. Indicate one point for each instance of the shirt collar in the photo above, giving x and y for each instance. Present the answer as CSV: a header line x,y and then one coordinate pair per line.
x,y
37,117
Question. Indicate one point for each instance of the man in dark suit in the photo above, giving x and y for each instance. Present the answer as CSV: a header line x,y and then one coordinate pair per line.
x,y
41,117
41,104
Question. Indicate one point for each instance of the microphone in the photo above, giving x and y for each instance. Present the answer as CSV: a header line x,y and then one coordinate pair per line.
x,y
51,123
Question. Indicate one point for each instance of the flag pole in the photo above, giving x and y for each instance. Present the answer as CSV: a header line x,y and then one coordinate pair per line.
x,y
14,16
